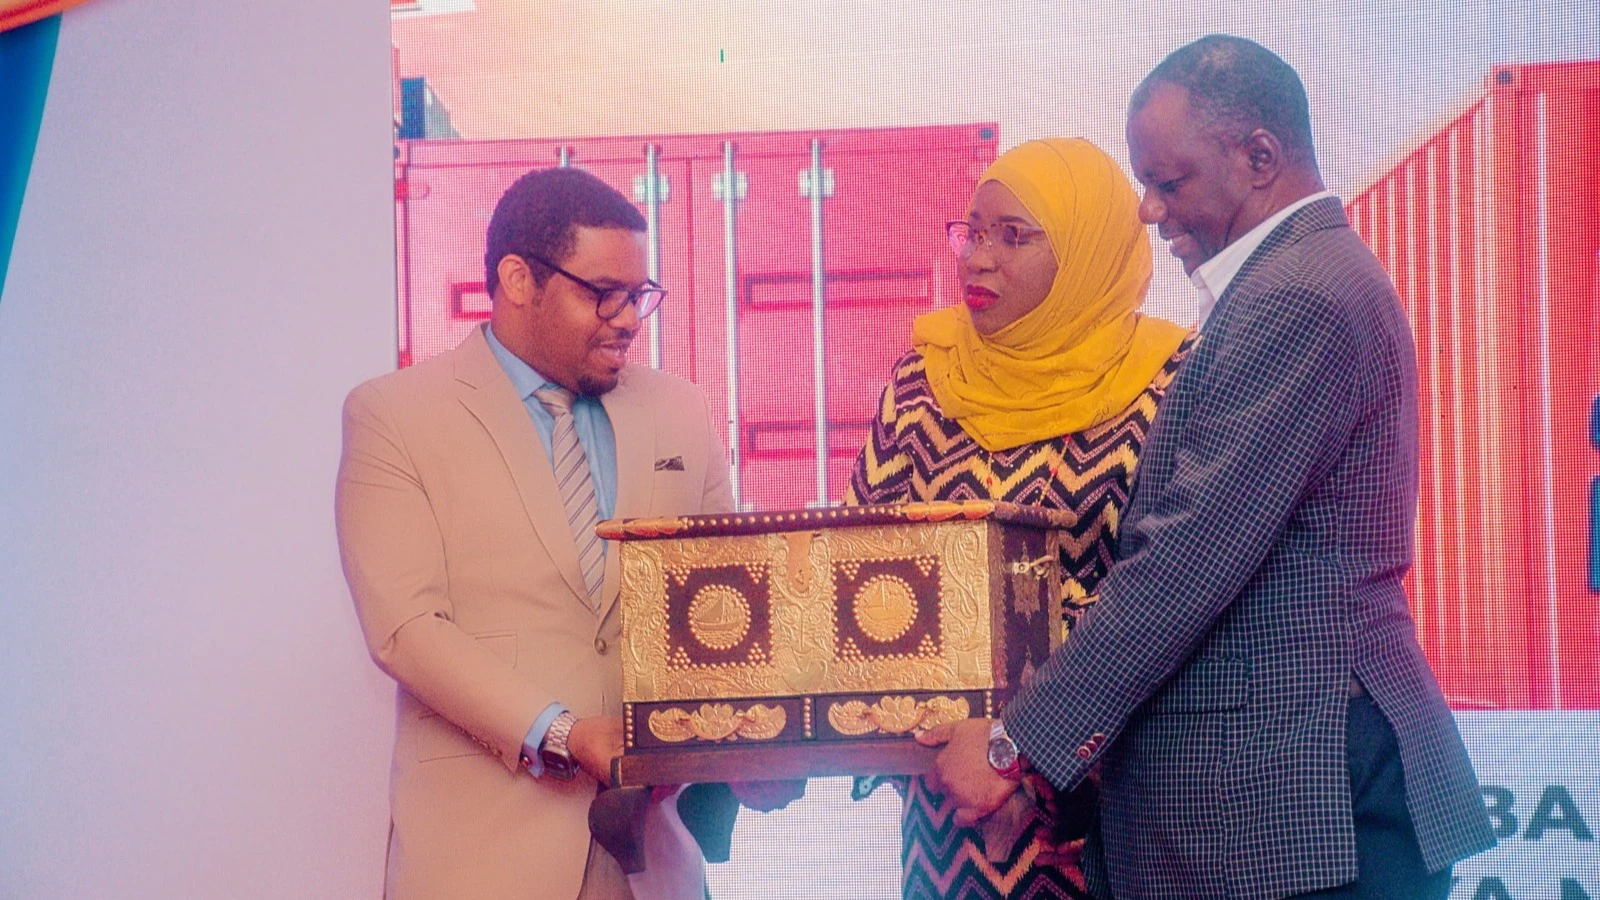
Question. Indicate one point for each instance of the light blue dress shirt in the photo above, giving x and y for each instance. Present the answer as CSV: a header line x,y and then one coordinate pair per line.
x,y
599,445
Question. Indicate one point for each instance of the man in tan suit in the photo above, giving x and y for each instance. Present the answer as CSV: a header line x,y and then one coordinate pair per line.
x,y
467,496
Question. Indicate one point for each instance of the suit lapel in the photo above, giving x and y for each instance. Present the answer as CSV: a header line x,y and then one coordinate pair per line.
x,y
1325,213
1158,458
485,391
633,421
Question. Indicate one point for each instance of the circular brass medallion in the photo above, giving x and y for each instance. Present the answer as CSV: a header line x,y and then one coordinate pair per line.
x,y
885,608
719,617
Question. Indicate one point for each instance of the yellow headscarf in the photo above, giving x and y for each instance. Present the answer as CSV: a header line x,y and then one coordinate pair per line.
x,y
1084,353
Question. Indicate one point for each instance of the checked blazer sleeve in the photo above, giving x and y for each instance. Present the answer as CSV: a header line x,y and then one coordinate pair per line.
x,y
1272,408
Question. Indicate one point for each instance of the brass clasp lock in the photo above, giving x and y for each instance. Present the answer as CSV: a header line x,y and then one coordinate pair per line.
x,y
800,558
1038,568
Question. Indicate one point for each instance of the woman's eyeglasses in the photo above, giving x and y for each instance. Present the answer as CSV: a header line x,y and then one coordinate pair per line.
x,y
1002,238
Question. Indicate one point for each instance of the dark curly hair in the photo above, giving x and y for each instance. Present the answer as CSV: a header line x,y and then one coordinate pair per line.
x,y
538,215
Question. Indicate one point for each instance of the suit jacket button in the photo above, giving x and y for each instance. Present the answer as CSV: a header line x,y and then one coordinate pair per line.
x,y
1084,752
1096,738
600,646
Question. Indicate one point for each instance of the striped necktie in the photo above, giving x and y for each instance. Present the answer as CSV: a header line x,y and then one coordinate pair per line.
x,y
576,487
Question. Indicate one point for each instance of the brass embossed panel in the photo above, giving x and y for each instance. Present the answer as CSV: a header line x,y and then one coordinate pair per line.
x,y
903,607
822,641
690,723
887,608
718,616
896,715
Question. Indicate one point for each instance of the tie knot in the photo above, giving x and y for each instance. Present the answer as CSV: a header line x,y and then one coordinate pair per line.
x,y
557,400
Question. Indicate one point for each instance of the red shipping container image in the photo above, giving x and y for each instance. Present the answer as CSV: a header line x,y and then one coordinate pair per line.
x,y
794,261
1491,232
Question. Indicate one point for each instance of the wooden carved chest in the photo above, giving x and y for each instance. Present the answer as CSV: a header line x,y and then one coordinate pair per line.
x,y
818,642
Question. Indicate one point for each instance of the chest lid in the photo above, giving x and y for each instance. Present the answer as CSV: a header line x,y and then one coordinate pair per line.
x,y
730,524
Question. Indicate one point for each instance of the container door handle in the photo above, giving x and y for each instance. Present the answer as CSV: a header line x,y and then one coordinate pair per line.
x,y
652,189
730,186
816,183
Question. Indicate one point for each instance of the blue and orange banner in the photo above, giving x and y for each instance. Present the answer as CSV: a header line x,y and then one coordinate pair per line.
x,y
17,13
26,55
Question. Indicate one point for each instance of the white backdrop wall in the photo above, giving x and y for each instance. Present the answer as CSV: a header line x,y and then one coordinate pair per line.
x,y
204,265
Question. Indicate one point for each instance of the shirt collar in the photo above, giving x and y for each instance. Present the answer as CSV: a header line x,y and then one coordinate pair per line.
x,y
525,378
1213,276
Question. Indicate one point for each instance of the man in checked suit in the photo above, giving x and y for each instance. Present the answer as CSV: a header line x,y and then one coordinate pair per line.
x,y
467,498
1249,681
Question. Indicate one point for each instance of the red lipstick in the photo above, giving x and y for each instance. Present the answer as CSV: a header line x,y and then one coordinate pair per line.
x,y
980,298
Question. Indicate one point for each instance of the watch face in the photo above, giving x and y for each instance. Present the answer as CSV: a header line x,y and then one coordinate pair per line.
x,y
557,765
1002,754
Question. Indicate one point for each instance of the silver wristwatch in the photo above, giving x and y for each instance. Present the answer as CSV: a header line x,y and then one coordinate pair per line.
x,y
1003,755
553,750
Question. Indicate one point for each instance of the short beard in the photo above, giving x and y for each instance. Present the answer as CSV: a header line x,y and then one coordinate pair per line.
x,y
590,386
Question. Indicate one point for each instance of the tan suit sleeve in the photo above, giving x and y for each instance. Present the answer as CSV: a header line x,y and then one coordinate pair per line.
x,y
394,561
719,485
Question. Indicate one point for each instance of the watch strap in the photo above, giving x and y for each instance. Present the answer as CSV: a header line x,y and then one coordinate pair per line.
x,y
553,752
1004,756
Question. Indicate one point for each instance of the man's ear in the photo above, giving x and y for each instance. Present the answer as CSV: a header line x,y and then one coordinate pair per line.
x,y
1264,154
517,286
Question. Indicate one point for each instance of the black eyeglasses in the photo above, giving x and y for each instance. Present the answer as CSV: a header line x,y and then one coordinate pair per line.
x,y
609,302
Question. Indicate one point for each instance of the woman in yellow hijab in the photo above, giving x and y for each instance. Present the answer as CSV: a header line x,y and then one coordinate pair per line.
x,y
1038,389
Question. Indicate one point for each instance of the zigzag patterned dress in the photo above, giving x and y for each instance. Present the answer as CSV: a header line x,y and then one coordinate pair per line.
x,y
916,454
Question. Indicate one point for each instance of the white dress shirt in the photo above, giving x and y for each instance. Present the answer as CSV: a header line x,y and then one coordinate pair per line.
x,y
1212,277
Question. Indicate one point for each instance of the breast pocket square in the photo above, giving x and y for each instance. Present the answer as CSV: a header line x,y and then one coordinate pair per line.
x,y
670,464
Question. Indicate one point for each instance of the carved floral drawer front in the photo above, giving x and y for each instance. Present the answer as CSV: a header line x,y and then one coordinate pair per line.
x,y
830,625
789,719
